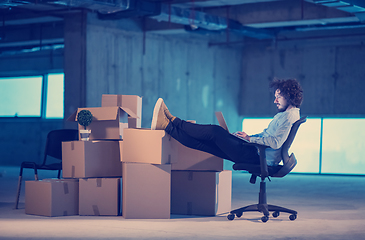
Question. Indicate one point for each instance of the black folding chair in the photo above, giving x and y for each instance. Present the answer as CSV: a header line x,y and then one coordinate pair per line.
x,y
53,149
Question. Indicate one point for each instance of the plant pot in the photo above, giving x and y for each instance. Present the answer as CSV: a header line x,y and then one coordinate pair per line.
x,y
84,134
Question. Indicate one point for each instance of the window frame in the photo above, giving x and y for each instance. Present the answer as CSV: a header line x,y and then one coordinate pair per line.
x,y
43,103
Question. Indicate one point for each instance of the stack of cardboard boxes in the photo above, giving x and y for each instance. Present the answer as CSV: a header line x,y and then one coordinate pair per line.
x,y
92,170
147,172
199,185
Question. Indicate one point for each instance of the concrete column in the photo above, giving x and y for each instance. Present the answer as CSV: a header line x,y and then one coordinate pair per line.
x,y
74,63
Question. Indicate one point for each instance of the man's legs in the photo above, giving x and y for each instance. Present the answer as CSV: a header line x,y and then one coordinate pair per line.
x,y
212,139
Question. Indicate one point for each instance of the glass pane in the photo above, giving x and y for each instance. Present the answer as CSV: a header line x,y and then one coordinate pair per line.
x,y
55,93
343,143
306,146
255,125
21,97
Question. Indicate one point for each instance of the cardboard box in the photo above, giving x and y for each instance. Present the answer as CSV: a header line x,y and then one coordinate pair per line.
x,y
52,197
100,196
201,192
132,102
146,191
191,159
85,159
147,146
108,122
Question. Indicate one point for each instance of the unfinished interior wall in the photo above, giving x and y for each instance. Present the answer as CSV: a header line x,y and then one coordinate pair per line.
x,y
23,139
117,58
194,79
329,69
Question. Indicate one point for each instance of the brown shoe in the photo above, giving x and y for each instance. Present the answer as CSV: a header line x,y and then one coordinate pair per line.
x,y
159,119
167,113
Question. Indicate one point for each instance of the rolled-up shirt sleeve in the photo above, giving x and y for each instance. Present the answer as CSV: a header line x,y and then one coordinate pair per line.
x,y
273,139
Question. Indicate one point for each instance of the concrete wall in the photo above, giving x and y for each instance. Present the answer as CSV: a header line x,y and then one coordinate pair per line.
x,y
23,139
114,57
330,70
194,79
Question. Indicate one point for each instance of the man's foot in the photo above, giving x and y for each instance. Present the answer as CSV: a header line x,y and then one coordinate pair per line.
x,y
167,113
159,119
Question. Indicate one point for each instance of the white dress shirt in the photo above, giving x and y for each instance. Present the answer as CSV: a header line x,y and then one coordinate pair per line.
x,y
276,133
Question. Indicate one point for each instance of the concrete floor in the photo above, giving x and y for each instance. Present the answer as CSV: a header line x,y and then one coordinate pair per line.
x,y
329,207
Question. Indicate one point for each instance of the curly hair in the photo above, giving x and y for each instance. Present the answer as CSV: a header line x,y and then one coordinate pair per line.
x,y
290,89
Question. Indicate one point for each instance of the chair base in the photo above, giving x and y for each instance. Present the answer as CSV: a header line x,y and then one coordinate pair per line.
x,y
265,209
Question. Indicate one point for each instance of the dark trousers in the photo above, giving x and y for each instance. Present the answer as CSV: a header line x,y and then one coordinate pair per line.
x,y
212,139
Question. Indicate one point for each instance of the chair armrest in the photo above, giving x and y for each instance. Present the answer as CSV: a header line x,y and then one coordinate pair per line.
x,y
263,163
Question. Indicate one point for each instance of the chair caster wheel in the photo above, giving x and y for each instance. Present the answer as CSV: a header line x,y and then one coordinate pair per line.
x,y
293,217
230,216
239,215
276,214
264,219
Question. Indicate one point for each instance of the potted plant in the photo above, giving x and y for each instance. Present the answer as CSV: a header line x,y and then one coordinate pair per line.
x,y
84,118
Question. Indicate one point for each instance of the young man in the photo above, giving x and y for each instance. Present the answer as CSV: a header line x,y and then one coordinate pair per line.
x,y
219,142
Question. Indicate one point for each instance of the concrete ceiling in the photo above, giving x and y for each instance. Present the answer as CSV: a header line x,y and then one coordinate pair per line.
x,y
252,19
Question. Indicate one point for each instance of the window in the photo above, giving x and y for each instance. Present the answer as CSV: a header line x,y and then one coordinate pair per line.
x,y
32,96
343,143
255,125
21,97
306,146
55,93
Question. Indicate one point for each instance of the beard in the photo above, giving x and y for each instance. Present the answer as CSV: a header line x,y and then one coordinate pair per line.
x,y
283,109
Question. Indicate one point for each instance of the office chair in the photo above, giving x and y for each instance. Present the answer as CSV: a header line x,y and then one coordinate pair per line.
x,y
53,149
264,171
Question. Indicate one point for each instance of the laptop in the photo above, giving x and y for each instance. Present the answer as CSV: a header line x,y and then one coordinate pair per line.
x,y
223,124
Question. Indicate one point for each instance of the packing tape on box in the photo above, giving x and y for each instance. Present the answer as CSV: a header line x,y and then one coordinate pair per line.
x,y
65,188
73,170
98,182
96,210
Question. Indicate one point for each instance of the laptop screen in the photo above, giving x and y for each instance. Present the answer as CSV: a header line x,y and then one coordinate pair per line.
x,y
221,120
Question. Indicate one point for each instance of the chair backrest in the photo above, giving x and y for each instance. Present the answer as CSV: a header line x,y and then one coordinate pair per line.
x,y
288,142
289,162
55,139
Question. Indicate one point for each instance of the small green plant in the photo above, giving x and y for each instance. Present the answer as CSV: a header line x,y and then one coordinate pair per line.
x,y
84,118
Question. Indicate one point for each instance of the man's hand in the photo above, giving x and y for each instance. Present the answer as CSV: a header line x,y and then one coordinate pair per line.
x,y
242,135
